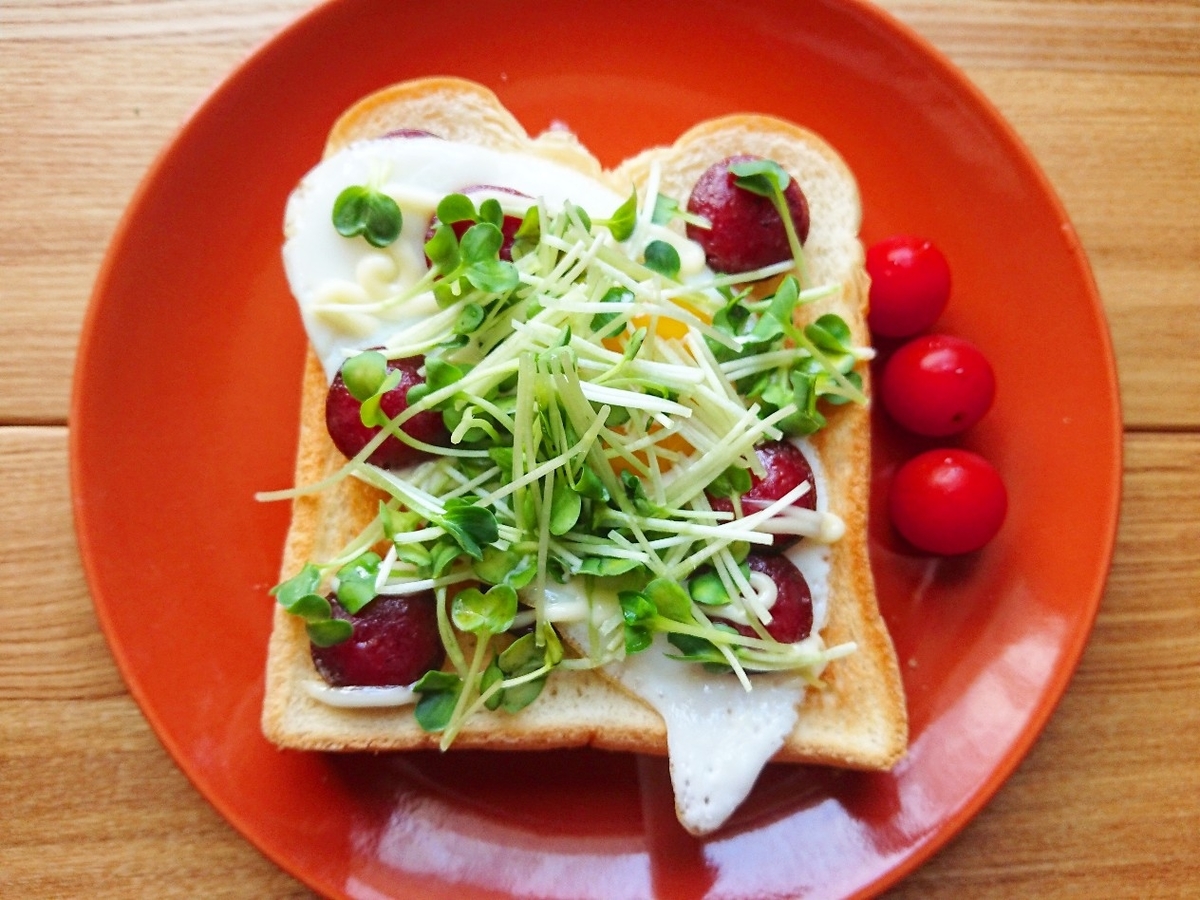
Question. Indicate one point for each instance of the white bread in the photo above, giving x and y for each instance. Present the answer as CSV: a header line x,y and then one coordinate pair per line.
x,y
859,719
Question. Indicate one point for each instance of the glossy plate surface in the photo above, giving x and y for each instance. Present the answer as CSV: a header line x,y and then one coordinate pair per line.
x,y
186,401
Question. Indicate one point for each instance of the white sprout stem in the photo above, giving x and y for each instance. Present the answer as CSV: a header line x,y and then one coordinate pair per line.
x,y
633,400
405,587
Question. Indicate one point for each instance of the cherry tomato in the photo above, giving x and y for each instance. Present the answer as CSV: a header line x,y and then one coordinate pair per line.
x,y
910,284
937,385
948,501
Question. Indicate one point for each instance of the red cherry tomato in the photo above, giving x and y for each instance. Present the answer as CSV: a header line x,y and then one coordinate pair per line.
x,y
910,284
937,385
948,501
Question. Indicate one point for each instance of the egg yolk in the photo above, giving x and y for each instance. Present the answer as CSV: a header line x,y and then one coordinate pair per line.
x,y
663,326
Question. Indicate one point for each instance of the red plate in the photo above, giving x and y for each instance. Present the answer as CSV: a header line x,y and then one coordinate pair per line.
x,y
186,401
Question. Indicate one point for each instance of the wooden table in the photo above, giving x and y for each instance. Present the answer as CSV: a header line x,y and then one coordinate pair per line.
x,y
1106,94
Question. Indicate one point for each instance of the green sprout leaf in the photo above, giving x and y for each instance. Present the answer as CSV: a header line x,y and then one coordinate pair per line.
x,y
838,399
475,258
508,567
582,213
831,333
519,696
607,566
665,209
708,590
490,211
522,657
602,321
670,599
328,632
469,319
439,695
290,592
782,306
369,212
652,609
530,229
442,555
493,276
480,613
624,219
589,486
416,555
760,176
638,613
662,258
482,241
490,676
298,596
356,581
635,491
698,650
442,249
364,373
552,647
807,419
469,525
634,344
502,456
371,411
312,608
456,208
564,511
440,374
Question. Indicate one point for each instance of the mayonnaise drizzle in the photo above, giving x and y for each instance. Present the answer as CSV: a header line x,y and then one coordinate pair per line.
x,y
330,275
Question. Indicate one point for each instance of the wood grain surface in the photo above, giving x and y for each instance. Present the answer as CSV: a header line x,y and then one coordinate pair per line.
x,y
1105,94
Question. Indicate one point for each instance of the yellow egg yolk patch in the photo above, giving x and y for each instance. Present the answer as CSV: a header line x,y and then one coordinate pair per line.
x,y
666,452
661,324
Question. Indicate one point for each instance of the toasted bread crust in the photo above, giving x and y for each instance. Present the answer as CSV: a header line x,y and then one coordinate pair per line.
x,y
859,719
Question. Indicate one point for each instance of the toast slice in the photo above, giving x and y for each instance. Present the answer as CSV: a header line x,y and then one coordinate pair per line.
x,y
858,718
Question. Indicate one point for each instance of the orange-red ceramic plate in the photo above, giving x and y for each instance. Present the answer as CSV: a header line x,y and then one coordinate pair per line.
x,y
186,402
